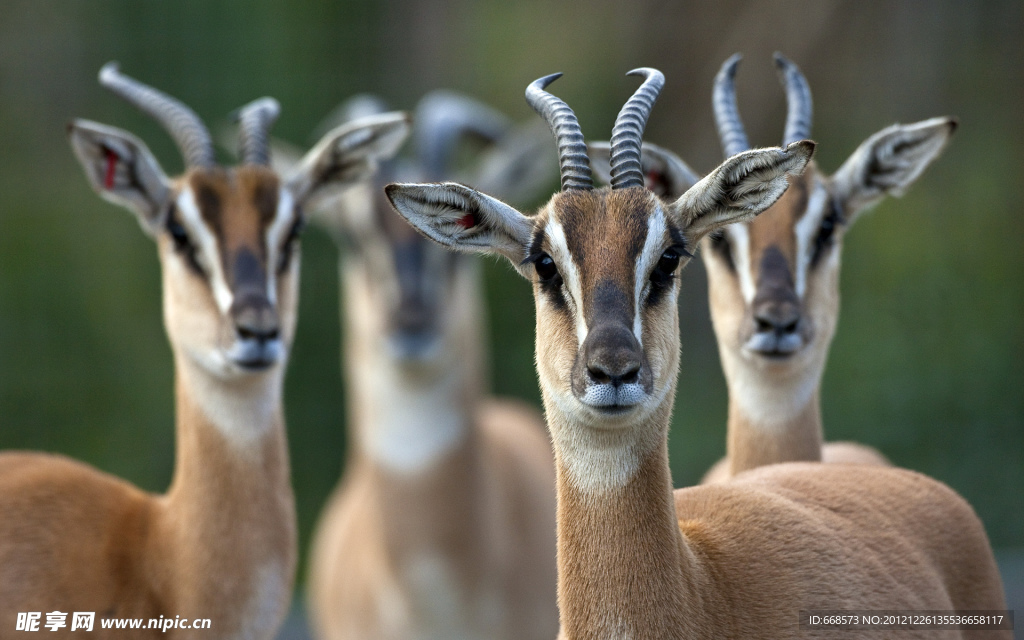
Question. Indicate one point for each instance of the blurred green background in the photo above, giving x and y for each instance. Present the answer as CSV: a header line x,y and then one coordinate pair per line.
x,y
927,363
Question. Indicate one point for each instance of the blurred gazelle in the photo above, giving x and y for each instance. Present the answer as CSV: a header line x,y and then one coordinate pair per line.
x,y
737,560
773,282
220,544
444,523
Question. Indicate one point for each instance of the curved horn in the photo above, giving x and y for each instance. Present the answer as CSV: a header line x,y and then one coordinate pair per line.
x,y
727,115
798,101
182,123
628,132
254,122
441,118
573,163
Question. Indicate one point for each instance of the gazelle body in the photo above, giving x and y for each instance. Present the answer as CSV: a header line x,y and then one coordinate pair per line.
x,y
443,526
738,560
773,282
220,544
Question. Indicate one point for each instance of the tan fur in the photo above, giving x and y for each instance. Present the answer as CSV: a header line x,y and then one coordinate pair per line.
x,y
736,560
753,440
740,560
464,546
220,544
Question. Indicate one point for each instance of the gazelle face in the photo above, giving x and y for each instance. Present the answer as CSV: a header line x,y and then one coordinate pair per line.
x,y
229,246
408,288
774,282
227,237
603,265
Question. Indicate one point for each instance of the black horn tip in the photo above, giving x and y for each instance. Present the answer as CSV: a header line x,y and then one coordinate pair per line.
x,y
647,72
781,61
542,83
729,66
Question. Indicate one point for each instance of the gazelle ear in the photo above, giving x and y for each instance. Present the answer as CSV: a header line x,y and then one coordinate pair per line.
x,y
520,166
347,154
665,173
122,169
462,218
889,162
740,188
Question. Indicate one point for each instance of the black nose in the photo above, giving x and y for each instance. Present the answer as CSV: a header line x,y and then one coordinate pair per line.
x,y
778,317
255,318
613,355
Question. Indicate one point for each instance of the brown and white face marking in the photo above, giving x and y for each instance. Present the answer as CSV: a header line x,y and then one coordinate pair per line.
x,y
774,281
417,300
230,250
227,237
603,264
603,268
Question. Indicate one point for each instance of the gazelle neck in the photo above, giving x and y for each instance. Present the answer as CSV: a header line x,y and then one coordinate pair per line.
x,y
772,417
230,509
619,545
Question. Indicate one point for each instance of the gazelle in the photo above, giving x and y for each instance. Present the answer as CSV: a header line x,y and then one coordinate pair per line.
x,y
444,523
220,544
737,560
773,282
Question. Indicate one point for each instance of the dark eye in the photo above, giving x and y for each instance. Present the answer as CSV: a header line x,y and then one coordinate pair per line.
x,y
546,269
666,267
288,247
182,243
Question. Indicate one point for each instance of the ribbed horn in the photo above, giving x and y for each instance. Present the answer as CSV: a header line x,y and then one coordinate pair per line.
x,y
573,163
182,123
628,132
727,115
442,117
254,122
799,107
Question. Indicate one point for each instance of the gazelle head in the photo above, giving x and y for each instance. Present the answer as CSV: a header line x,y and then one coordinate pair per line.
x,y
774,280
227,236
416,299
603,262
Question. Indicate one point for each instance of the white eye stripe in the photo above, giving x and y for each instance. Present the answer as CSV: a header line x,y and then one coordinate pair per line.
x,y
651,254
739,239
806,231
570,274
206,243
283,221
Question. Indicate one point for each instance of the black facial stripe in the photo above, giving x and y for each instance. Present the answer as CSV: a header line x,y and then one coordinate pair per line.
x,y
679,241
823,239
536,246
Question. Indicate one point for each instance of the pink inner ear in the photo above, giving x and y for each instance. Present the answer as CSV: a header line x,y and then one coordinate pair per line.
x,y
653,178
108,179
467,221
